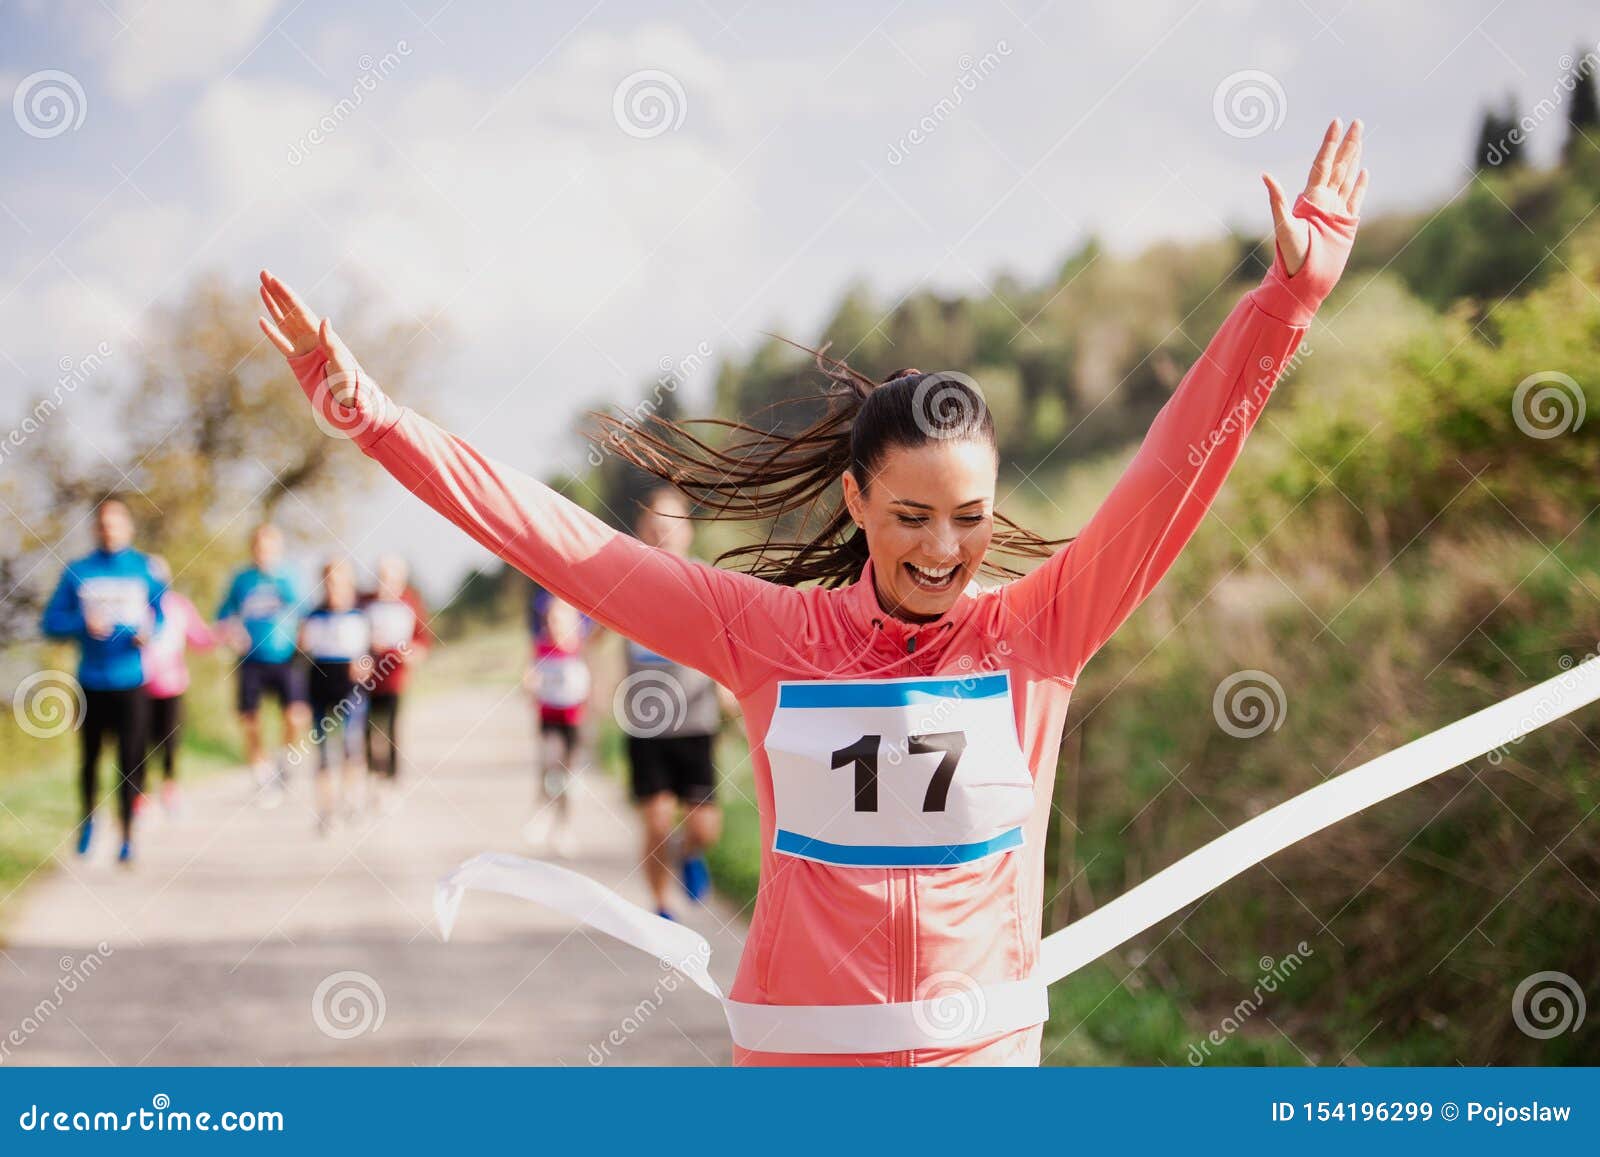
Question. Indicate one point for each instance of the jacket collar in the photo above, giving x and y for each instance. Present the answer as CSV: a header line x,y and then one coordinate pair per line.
x,y
861,602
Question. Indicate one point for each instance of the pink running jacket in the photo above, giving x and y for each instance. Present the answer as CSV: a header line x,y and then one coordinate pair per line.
x,y
166,671
827,934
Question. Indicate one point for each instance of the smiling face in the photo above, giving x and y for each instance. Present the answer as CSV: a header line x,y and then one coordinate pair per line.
x,y
928,514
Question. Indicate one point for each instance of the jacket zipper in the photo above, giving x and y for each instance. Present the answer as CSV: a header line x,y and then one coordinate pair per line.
x,y
903,922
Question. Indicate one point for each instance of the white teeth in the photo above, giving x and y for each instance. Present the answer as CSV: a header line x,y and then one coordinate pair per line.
x,y
932,576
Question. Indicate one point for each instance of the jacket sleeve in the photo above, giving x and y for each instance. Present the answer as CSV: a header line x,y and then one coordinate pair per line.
x,y
196,634
1067,608
422,635
229,607
158,592
63,614
717,621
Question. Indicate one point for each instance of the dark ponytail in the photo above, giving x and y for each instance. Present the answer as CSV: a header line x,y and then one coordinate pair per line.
x,y
761,475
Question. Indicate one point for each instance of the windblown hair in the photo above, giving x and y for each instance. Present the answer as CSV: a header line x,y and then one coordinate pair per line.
x,y
767,475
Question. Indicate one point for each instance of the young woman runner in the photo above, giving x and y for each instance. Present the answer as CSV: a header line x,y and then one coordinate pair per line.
x,y
904,726
338,640
166,677
400,640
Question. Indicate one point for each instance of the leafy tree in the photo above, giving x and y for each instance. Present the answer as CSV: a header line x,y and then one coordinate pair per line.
x,y
1583,110
212,437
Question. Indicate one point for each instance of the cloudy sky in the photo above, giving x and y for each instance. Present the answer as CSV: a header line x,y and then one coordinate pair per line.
x,y
579,193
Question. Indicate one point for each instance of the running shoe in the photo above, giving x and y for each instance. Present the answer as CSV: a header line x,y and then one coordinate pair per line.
x,y
269,788
665,915
536,832
141,804
85,834
696,878
125,854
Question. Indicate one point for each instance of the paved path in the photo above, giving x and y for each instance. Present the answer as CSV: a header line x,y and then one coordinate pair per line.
x,y
221,936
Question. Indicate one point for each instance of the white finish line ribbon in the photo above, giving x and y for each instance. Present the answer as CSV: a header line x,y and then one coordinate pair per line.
x,y
956,1017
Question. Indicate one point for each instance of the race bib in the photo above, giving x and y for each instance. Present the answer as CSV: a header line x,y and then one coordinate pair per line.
x,y
262,603
563,680
338,636
898,773
124,602
394,624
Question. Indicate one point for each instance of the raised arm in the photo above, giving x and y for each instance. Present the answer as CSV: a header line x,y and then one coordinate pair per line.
x,y
1071,605
714,620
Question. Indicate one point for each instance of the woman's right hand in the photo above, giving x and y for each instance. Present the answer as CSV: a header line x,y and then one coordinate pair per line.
x,y
297,331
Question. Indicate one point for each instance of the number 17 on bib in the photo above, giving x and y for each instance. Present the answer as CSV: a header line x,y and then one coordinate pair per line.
x,y
898,773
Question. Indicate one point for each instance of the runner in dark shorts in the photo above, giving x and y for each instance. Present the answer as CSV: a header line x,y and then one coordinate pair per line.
x,y
672,714
285,682
166,678
400,639
679,764
337,638
261,613
109,603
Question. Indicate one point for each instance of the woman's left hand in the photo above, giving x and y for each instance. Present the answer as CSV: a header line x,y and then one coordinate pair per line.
x,y
1337,183
296,331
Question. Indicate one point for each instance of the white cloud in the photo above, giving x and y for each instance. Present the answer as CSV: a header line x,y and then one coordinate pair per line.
x,y
567,257
162,42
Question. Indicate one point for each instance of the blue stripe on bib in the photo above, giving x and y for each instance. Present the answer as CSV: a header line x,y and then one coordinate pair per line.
x,y
894,693
894,855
